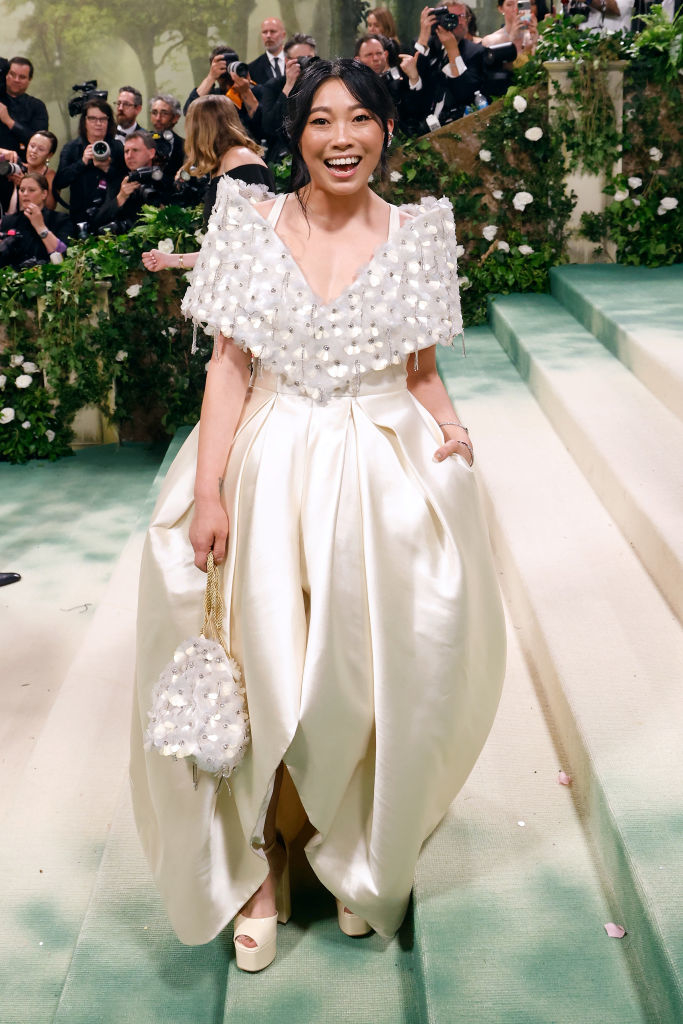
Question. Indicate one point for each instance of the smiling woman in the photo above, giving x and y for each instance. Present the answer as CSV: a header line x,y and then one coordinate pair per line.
x,y
331,477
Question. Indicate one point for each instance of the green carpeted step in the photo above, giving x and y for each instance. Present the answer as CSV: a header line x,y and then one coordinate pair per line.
x,y
637,313
57,805
605,653
323,977
618,433
128,967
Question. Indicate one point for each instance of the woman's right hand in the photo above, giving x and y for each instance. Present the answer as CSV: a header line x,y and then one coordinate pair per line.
x,y
155,259
87,154
209,532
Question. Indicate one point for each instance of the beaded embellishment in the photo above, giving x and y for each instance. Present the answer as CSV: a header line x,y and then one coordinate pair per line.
x,y
247,286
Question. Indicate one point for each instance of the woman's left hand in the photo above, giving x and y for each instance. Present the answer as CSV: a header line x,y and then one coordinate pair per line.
x,y
35,215
460,445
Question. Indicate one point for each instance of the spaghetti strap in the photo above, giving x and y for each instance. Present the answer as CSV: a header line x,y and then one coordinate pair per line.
x,y
276,210
394,220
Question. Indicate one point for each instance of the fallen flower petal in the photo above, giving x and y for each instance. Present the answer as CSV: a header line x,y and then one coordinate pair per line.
x,y
615,931
564,779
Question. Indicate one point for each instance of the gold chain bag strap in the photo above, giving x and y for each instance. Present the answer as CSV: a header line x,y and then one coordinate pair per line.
x,y
199,707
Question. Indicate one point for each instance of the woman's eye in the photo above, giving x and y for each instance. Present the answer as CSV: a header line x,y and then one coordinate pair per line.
x,y
318,120
361,117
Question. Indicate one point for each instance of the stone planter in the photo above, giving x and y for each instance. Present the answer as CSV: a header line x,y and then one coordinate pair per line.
x,y
588,188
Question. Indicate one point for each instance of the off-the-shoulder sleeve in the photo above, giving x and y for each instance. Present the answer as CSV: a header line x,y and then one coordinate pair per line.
x,y
247,286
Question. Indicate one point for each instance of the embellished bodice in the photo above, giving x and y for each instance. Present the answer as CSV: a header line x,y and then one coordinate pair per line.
x,y
246,285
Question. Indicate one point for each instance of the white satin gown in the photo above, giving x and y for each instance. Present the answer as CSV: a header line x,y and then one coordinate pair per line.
x,y
361,600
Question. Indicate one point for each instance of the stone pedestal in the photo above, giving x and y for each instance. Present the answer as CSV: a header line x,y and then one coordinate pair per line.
x,y
588,188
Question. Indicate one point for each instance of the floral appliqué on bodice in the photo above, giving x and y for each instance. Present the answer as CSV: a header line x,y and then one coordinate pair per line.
x,y
247,285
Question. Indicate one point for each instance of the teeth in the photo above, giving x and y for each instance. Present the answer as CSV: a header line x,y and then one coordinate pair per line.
x,y
344,161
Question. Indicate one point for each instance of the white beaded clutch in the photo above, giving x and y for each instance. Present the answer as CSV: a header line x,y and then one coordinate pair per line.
x,y
199,707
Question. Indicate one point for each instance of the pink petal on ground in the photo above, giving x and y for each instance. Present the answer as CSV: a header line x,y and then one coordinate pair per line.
x,y
564,779
615,931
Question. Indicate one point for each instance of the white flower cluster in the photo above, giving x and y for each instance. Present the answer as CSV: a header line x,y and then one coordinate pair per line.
x,y
666,204
22,381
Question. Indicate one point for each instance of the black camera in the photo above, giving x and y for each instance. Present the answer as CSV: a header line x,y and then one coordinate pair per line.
x,y
498,76
146,175
8,167
89,91
233,65
304,62
445,19
189,190
163,146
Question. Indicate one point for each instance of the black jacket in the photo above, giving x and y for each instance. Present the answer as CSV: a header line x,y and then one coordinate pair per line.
x,y
87,182
451,95
28,244
261,70
29,115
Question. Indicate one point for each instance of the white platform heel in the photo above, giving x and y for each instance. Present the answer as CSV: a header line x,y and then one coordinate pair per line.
x,y
263,930
350,923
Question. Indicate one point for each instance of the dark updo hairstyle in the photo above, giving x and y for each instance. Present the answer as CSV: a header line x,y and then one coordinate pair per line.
x,y
363,84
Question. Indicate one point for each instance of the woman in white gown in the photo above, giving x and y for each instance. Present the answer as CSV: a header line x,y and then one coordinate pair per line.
x,y
330,475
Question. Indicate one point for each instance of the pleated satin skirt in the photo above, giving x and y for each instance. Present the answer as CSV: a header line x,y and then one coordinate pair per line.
x,y
362,604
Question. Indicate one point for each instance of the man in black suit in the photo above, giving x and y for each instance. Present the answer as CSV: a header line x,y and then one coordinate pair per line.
x,y
275,93
21,116
270,64
221,81
164,111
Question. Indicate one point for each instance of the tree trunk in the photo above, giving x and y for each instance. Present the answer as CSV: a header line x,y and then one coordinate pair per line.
x,y
289,16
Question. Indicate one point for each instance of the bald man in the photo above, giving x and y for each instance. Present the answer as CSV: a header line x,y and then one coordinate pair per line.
x,y
270,64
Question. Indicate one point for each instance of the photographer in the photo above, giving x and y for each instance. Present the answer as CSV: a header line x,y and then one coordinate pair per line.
x,y
400,75
164,112
229,76
34,233
86,174
520,28
143,184
451,65
299,50
21,115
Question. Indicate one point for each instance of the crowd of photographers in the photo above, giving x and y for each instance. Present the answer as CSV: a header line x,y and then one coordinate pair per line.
x,y
114,165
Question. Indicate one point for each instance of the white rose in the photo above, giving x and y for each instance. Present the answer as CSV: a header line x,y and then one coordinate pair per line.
x,y
522,199
133,290
3,381
395,176
503,246
16,360
50,435
464,282
171,331
656,154
668,202
121,355
165,245
620,195
6,415
26,424
533,134
490,232
520,104
485,155
497,193
199,235
29,367
635,201
526,250
635,182
459,251
23,380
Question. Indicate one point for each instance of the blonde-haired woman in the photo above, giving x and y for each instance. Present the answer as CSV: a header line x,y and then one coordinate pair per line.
x,y
216,144
380,21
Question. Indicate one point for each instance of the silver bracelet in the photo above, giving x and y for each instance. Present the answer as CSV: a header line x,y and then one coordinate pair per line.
x,y
452,423
469,448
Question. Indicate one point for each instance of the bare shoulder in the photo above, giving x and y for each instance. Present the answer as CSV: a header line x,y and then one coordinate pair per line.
x,y
237,156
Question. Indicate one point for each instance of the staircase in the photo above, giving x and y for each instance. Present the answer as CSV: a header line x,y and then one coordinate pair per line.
x,y
574,401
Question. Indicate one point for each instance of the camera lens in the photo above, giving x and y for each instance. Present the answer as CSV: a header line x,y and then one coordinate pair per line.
x,y
101,150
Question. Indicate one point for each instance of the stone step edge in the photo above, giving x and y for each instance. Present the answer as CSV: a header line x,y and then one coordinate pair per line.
x,y
656,546
651,959
621,341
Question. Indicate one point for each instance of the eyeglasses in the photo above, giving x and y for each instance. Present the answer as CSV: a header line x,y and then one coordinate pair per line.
x,y
97,120
124,103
